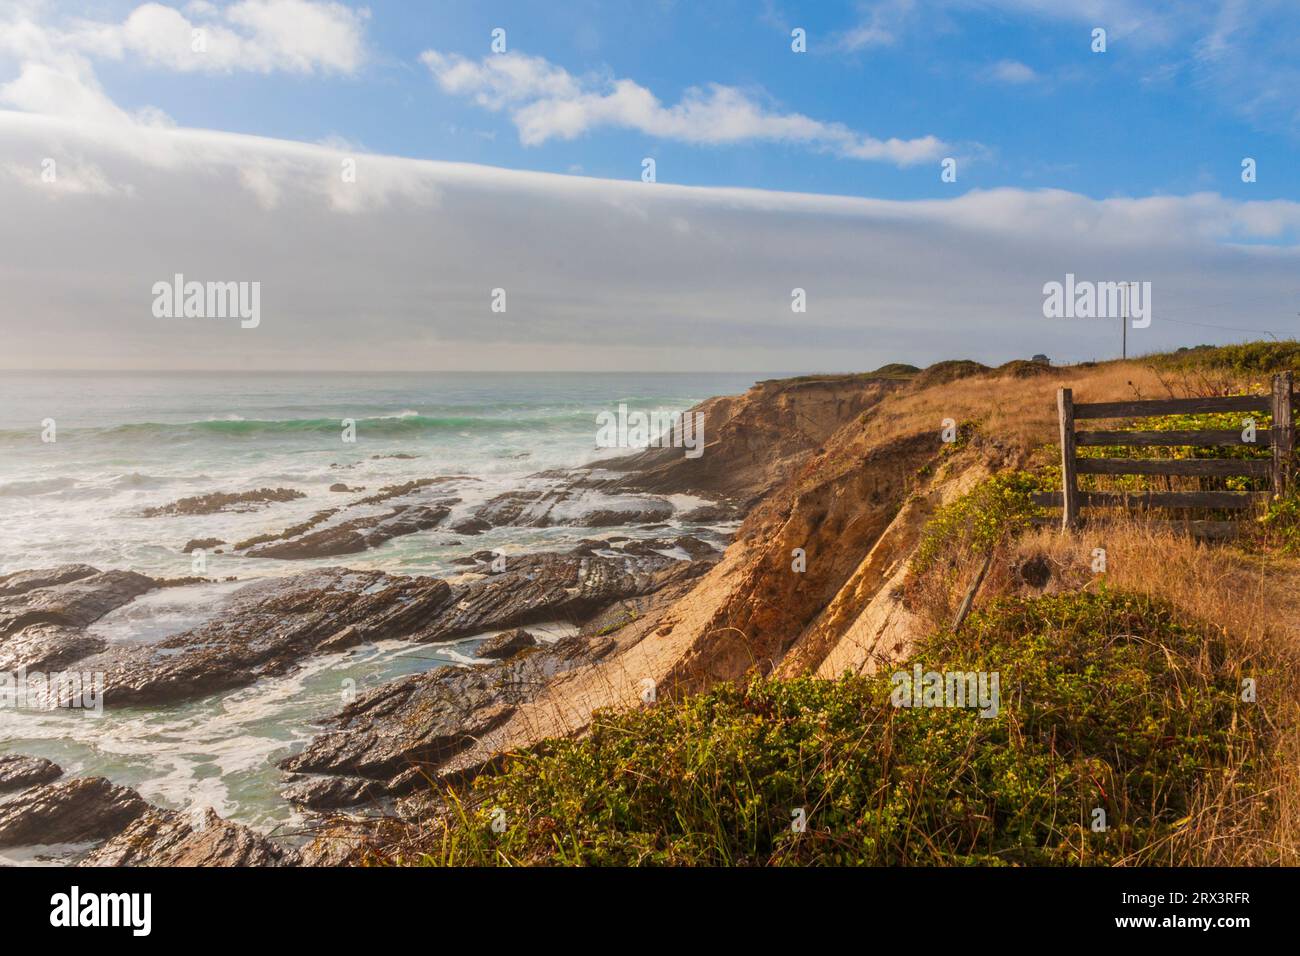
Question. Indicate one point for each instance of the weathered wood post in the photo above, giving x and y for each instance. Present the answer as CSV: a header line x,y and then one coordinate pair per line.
x,y
1283,433
1069,480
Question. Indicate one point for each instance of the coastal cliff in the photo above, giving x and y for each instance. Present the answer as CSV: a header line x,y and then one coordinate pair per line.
x,y
865,504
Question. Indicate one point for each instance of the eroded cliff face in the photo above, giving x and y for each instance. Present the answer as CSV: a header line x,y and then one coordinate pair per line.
x,y
755,441
812,583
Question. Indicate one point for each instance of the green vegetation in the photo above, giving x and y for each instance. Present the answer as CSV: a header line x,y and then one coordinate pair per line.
x,y
1248,358
1107,701
1209,421
996,508
894,369
1280,523
941,373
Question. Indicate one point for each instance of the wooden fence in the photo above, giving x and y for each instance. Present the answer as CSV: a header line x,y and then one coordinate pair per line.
x,y
1281,438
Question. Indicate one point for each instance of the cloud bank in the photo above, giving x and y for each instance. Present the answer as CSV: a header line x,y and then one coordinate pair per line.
x,y
375,262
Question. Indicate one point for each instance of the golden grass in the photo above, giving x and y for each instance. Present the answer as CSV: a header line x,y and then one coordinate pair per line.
x,y
1254,600
1020,411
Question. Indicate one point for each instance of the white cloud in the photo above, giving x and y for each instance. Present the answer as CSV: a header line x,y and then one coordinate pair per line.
x,y
55,61
260,36
880,25
546,102
70,93
1012,71
395,270
56,76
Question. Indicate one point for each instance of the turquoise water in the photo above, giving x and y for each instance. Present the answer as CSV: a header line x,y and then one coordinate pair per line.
x,y
128,441
125,442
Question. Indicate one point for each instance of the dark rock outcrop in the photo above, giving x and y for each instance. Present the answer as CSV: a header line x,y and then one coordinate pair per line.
x,y
355,535
20,582
505,645
18,772
47,647
43,614
167,838
392,740
266,630
548,586
718,511
91,809
75,811
571,506
223,501
200,544
471,526
71,603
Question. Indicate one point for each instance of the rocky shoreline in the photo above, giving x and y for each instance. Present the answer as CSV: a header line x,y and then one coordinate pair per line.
x,y
392,741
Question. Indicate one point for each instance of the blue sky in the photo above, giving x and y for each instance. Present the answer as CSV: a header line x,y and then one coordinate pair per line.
x,y
1019,95
379,170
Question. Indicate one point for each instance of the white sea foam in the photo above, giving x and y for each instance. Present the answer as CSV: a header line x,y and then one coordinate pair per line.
x,y
79,501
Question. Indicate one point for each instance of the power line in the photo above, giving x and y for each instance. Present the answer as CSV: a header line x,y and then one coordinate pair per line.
x,y
1227,328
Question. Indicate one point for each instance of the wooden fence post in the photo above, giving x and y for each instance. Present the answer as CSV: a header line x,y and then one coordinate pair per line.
x,y
1069,480
1283,433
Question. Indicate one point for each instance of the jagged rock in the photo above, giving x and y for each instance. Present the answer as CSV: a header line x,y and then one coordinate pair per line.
x,y
547,586
20,582
399,733
355,535
223,501
471,526
292,531
350,841
695,547
388,492
47,647
321,793
75,811
18,771
166,838
72,603
646,546
505,645
267,628
196,544
571,506
708,514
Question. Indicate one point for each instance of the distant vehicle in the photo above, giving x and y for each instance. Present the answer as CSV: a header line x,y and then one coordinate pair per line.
x,y
1041,359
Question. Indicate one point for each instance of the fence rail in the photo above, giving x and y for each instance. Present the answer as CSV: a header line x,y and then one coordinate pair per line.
x,y
1280,439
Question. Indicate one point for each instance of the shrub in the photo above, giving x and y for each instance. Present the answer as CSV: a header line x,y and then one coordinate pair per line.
x,y
976,522
1107,701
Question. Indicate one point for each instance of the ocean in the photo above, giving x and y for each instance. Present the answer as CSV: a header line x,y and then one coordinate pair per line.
x,y
127,441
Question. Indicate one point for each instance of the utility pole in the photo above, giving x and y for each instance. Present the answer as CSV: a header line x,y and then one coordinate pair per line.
x,y
1123,322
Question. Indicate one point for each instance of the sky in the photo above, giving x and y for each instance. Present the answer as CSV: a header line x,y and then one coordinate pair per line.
x,y
462,185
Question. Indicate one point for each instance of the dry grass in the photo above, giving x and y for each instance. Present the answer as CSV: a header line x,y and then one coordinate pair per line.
x,y
1019,411
1254,601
